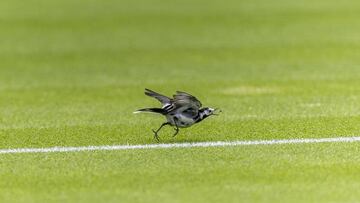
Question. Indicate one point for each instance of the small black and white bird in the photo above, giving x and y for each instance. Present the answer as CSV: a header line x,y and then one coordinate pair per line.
x,y
181,111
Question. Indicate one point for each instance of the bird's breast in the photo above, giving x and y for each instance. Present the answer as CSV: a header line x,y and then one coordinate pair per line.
x,y
181,120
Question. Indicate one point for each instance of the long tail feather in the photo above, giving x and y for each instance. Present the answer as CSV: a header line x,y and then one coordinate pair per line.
x,y
151,110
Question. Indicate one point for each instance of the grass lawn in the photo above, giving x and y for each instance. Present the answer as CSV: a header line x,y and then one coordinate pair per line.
x,y
72,73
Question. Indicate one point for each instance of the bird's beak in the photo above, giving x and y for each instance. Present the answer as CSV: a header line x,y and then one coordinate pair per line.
x,y
216,112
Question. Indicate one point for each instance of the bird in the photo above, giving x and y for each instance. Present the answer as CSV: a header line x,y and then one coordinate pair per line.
x,y
181,111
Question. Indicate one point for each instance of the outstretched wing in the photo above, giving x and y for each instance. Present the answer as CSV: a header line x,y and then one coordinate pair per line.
x,y
186,99
161,98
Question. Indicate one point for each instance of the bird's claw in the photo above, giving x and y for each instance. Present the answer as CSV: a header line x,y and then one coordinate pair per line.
x,y
156,136
176,132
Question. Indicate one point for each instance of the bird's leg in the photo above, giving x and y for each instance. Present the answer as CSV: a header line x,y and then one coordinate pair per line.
x,y
176,130
176,126
156,136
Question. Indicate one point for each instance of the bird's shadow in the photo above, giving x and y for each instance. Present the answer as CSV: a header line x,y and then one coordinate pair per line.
x,y
172,140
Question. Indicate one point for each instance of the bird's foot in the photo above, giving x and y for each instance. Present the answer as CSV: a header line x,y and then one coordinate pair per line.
x,y
156,136
176,131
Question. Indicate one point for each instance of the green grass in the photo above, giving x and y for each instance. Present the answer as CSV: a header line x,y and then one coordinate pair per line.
x,y
72,73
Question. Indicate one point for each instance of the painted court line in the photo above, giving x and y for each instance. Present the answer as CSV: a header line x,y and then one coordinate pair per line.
x,y
179,145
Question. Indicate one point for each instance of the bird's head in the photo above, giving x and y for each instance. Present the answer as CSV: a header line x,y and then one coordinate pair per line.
x,y
206,112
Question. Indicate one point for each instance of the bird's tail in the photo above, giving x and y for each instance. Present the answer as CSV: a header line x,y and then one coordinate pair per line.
x,y
151,110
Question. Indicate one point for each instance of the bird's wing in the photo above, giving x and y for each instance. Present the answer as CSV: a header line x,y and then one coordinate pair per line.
x,y
185,99
190,112
161,98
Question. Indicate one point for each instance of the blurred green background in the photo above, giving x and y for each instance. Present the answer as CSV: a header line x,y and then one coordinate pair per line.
x,y
72,73
75,67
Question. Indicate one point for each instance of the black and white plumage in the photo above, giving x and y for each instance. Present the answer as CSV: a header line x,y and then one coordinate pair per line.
x,y
181,111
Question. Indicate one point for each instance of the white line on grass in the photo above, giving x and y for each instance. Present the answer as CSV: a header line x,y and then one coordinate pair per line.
x,y
178,145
